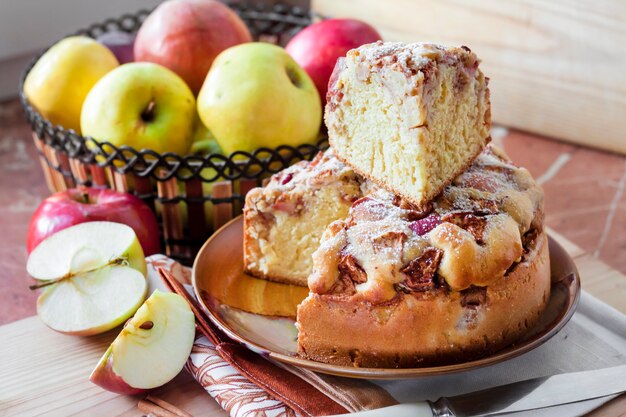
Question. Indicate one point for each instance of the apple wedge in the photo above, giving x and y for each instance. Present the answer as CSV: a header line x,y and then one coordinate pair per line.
x,y
151,349
93,275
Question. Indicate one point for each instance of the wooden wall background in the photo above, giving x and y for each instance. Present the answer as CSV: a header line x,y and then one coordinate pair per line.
x,y
557,68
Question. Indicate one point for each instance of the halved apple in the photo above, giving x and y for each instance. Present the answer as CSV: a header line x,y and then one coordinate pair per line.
x,y
151,349
85,245
93,274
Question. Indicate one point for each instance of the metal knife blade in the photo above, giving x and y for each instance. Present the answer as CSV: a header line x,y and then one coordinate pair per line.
x,y
539,393
518,396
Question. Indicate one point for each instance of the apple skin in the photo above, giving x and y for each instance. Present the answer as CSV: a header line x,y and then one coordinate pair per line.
x,y
67,208
148,357
317,47
256,95
104,376
186,36
60,80
142,105
121,44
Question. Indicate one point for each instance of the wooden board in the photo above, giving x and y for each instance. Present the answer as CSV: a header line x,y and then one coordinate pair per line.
x,y
556,67
46,373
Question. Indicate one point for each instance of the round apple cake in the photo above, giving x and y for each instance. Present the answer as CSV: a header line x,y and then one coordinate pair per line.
x,y
397,285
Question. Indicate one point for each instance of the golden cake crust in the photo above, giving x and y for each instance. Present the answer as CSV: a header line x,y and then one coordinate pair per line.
x,y
428,328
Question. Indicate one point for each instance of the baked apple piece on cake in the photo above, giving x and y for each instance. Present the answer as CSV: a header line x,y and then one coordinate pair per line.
x,y
410,117
397,285
284,221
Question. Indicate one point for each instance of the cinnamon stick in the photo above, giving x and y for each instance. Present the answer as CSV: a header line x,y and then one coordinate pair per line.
x,y
151,409
167,406
160,408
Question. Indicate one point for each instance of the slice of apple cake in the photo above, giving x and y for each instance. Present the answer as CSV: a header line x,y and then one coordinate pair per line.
x,y
283,222
410,117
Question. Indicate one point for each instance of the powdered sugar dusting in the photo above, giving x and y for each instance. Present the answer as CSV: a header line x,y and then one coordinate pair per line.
x,y
384,237
325,168
411,57
419,53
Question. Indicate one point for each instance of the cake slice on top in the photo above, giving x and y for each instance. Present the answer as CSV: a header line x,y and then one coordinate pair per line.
x,y
410,117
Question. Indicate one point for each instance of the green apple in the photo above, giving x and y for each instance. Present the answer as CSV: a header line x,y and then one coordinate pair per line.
x,y
256,95
206,147
204,142
60,80
151,349
93,275
142,105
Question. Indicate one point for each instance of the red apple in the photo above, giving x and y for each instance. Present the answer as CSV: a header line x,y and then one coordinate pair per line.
x,y
104,376
317,47
186,36
79,205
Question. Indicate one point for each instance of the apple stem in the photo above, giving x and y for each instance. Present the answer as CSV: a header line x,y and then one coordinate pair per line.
x,y
293,77
86,198
122,261
148,114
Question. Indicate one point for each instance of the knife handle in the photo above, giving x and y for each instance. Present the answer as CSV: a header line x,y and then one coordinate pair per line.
x,y
417,409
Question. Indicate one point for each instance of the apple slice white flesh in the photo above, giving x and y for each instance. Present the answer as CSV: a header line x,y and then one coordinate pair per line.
x,y
151,349
93,274
85,246
92,302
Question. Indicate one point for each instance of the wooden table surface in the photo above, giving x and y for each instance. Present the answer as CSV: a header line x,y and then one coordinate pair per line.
x,y
46,373
585,202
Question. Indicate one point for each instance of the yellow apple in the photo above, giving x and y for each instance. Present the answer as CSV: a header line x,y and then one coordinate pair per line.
x,y
60,80
256,95
141,105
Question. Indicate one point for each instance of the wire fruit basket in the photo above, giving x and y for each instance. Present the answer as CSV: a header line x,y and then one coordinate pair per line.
x,y
192,195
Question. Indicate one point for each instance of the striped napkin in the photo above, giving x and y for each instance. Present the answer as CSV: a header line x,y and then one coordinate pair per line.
x,y
594,338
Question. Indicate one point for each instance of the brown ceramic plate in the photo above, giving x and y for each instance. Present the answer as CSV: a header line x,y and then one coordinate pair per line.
x,y
260,314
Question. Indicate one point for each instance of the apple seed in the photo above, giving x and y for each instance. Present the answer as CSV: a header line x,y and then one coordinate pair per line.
x,y
146,325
